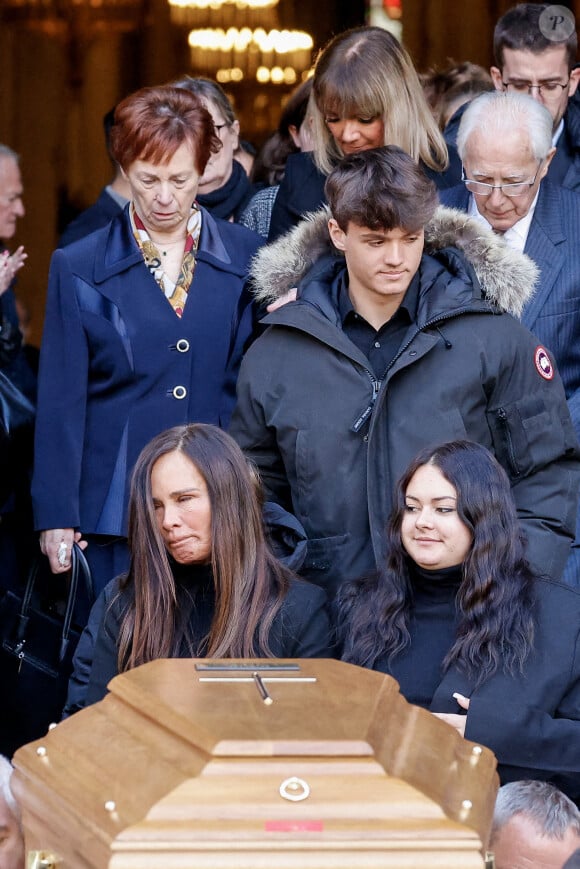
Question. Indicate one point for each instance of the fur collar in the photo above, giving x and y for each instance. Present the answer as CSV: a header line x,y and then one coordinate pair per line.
x,y
508,278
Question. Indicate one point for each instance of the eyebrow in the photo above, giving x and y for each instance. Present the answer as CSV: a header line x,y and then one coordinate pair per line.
x,y
365,236
151,176
516,79
440,498
186,490
505,174
179,492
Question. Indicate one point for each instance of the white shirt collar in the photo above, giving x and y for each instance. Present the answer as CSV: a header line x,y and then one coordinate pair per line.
x,y
557,133
517,235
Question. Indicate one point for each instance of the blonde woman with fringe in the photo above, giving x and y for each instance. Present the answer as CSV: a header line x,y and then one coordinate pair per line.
x,y
366,93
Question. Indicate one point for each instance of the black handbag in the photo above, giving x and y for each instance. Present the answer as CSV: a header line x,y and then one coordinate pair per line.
x,y
38,639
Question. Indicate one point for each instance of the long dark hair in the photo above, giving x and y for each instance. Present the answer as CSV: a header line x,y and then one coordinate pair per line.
x,y
249,582
494,601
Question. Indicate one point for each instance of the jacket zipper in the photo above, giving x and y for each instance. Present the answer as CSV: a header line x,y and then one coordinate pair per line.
x,y
363,417
503,418
366,414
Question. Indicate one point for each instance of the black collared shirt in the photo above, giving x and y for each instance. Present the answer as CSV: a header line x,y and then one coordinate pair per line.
x,y
379,346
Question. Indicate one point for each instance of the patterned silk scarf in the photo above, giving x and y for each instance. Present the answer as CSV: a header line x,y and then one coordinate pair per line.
x,y
175,293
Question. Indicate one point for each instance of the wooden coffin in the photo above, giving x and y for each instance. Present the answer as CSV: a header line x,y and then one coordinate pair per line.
x,y
322,765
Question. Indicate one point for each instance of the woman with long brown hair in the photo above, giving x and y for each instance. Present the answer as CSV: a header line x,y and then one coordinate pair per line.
x,y
202,581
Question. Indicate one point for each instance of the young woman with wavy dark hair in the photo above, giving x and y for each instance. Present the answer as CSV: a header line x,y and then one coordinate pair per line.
x,y
458,617
202,581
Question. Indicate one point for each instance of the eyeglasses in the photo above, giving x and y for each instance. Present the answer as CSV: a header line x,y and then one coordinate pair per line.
x,y
481,188
549,90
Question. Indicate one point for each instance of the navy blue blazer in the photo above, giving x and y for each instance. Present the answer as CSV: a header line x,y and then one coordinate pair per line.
x,y
118,366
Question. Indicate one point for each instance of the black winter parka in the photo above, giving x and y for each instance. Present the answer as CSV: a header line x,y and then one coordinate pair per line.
x,y
330,440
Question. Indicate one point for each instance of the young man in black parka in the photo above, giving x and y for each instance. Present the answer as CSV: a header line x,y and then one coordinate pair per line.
x,y
404,334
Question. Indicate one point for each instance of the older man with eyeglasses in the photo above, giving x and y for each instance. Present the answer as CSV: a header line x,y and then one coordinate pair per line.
x,y
505,144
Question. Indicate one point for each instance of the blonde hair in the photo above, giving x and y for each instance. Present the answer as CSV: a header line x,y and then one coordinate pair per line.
x,y
366,72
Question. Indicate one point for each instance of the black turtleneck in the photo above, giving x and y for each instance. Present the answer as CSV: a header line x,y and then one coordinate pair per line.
x,y
230,200
196,592
432,626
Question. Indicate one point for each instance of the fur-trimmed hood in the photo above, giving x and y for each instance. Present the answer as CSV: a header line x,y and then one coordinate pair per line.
x,y
507,277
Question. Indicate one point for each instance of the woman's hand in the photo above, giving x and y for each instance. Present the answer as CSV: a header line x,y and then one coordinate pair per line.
x,y
289,296
9,265
56,544
456,721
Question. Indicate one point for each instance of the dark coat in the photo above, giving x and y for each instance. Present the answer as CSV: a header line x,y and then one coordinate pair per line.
x,y
114,353
553,312
302,189
99,214
301,629
565,166
332,452
531,721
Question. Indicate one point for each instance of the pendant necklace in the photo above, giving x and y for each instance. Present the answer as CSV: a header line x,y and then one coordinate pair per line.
x,y
170,244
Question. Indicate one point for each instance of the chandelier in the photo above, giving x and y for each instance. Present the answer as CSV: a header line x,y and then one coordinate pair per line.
x,y
240,40
278,56
223,13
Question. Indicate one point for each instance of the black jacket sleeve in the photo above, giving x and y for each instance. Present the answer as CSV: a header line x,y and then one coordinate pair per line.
x,y
301,628
534,440
301,190
531,719
83,658
104,665
248,427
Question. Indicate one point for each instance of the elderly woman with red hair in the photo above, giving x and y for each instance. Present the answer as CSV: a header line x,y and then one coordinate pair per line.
x,y
145,325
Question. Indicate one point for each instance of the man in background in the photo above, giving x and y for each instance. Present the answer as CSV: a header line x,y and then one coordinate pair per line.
x,y
535,826
112,198
535,47
11,209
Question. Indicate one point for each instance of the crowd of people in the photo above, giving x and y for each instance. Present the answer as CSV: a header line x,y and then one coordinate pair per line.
x,y
333,409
